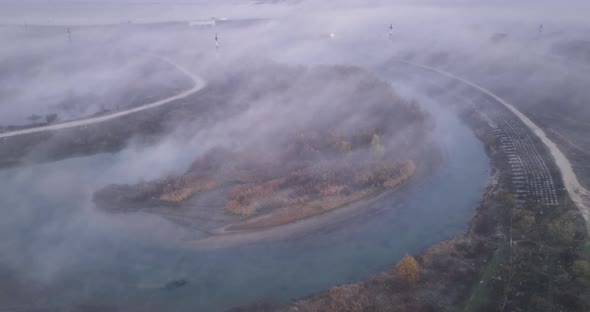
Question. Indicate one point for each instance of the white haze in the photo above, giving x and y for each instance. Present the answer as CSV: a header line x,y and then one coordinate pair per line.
x,y
453,35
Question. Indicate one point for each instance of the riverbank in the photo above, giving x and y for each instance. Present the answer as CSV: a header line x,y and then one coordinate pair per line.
x,y
448,269
516,255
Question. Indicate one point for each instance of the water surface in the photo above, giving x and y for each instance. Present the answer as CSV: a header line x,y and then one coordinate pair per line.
x,y
56,249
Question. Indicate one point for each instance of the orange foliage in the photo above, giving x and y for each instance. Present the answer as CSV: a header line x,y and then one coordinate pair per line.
x,y
407,269
187,187
311,191
243,198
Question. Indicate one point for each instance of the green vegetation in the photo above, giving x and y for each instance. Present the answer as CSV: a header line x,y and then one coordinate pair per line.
x,y
539,264
516,256
541,259
480,293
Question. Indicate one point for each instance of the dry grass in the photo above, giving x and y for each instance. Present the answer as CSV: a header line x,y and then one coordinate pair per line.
x,y
405,171
311,198
245,198
348,298
187,187
293,213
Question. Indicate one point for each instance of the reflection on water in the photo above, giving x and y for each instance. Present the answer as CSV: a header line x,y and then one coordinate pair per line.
x,y
56,249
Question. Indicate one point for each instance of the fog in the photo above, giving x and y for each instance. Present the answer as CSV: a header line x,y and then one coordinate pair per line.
x,y
81,58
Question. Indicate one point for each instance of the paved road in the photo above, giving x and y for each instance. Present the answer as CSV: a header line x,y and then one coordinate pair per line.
x,y
198,84
579,194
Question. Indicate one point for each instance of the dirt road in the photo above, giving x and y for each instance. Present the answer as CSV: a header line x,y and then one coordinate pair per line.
x,y
198,84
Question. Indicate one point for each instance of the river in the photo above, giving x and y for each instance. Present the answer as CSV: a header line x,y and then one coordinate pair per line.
x,y
57,250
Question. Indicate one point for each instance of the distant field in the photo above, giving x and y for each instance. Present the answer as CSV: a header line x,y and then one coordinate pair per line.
x,y
61,85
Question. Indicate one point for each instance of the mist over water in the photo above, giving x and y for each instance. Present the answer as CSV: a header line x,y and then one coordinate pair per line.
x,y
74,254
57,249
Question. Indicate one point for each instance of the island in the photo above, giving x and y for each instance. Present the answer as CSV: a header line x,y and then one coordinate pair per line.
x,y
300,159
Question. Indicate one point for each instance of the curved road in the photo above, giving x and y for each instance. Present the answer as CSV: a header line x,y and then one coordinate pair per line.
x,y
579,194
198,84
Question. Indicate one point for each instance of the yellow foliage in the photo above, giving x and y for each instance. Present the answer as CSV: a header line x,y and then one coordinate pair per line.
x,y
188,188
407,269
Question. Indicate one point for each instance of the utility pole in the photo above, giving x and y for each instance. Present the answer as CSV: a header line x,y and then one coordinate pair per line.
x,y
390,31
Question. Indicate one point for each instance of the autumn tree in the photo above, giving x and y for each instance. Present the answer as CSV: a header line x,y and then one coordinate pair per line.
x,y
407,269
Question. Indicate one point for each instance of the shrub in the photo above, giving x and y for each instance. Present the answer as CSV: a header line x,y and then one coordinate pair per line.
x,y
562,230
581,268
505,198
539,303
348,298
524,219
